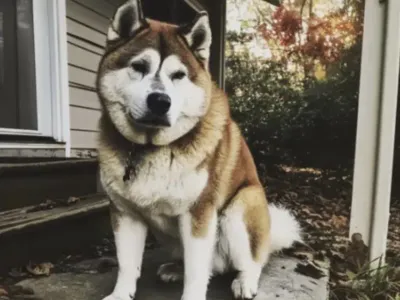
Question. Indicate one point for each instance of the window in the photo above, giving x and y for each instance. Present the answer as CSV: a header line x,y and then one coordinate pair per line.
x,y
17,66
33,70
172,11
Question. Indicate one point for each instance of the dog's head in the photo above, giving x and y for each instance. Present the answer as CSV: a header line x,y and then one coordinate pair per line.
x,y
153,80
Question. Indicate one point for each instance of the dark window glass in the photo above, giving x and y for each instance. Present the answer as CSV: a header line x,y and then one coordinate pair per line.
x,y
171,11
18,109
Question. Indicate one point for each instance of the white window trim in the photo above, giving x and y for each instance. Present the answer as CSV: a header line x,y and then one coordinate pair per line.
x,y
372,181
51,64
194,4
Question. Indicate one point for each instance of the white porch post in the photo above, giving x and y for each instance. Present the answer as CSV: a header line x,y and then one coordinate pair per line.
x,y
376,124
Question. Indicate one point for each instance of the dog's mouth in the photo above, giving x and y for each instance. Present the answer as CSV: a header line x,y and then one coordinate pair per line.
x,y
152,121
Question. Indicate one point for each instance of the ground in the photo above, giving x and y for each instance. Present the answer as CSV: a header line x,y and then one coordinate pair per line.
x,y
280,280
319,198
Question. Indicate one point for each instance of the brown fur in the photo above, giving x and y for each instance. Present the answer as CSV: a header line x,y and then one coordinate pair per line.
x,y
215,143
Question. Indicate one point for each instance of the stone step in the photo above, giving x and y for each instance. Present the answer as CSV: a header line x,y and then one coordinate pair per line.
x,y
29,181
34,233
280,280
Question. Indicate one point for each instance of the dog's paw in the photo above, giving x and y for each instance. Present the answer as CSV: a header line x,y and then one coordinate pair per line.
x,y
244,286
171,272
117,297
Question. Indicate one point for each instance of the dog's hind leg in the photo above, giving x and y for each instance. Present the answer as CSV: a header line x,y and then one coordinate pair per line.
x,y
245,225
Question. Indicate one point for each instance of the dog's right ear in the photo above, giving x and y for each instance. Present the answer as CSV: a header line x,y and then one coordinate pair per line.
x,y
127,20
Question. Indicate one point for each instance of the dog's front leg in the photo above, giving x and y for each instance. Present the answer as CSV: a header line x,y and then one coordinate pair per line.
x,y
130,236
198,232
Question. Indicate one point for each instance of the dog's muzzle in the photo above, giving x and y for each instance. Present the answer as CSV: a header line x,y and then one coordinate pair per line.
x,y
158,105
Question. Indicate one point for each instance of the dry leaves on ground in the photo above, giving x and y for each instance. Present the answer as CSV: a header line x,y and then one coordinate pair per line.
x,y
42,269
321,201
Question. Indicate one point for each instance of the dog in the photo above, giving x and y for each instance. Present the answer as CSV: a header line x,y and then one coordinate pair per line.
x,y
173,162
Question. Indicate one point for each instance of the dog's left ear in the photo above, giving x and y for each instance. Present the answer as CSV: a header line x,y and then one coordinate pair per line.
x,y
127,20
198,36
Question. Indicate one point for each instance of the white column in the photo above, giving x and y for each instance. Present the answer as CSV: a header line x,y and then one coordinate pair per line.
x,y
376,124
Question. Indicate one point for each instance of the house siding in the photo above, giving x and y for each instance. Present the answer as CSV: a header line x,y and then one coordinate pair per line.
x,y
87,23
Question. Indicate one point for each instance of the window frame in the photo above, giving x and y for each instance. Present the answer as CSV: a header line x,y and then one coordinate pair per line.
x,y
51,71
195,5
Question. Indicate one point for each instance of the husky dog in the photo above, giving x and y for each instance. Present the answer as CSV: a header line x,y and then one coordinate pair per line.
x,y
172,161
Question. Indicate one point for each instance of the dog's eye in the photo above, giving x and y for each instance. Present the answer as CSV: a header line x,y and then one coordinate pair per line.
x,y
178,75
140,67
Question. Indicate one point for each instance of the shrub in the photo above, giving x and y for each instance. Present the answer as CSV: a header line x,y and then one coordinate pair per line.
x,y
299,121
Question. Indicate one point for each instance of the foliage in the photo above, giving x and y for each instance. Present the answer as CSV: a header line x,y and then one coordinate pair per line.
x,y
291,120
299,105
381,282
312,40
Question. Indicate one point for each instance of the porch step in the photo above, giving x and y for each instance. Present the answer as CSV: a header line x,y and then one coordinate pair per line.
x,y
46,231
28,181
29,218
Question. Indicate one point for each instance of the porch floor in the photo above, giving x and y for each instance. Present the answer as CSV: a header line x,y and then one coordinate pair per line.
x,y
90,281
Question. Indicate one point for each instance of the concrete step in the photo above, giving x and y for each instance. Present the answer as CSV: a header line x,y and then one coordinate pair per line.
x,y
42,232
29,181
280,280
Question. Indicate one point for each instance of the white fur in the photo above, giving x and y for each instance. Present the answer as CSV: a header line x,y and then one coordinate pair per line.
x,y
198,254
126,92
162,190
232,250
130,239
285,230
112,34
169,193
162,186
234,230
128,87
186,93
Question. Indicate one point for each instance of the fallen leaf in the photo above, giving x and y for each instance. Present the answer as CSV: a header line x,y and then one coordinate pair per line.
x,y
40,269
303,255
309,270
72,200
46,205
338,221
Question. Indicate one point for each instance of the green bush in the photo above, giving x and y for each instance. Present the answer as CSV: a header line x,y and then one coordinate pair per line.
x,y
287,120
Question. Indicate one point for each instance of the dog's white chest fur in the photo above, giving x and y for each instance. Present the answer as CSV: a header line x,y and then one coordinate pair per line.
x,y
164,189
162,185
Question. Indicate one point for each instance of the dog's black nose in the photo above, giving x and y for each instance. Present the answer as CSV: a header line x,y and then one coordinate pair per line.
x,y
158,103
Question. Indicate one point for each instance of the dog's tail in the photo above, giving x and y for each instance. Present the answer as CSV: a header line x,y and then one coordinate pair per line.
x,y
285,229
